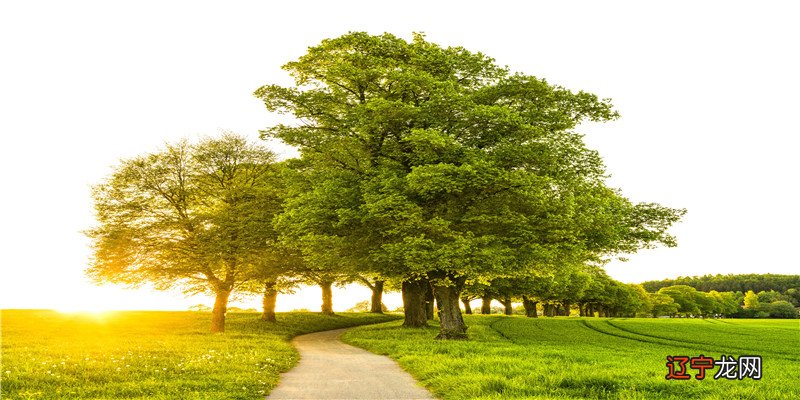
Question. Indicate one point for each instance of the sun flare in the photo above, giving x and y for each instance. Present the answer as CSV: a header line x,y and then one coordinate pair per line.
x,y
95,310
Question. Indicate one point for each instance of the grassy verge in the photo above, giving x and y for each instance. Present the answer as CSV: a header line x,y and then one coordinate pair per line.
x,y
153,355
597,358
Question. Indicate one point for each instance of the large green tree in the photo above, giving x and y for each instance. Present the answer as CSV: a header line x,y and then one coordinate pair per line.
x,y
662,304
192,215
685,297
438,166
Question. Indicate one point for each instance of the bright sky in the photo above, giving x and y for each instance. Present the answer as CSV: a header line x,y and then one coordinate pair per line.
x,y
707,92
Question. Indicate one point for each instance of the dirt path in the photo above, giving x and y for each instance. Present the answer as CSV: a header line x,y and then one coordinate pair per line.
x,y
330,369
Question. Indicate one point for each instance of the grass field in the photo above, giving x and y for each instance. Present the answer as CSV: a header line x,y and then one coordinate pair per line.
x,y
170,355
522,358
151,355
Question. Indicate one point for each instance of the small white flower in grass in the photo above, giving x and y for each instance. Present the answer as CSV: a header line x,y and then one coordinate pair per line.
x,y
8,372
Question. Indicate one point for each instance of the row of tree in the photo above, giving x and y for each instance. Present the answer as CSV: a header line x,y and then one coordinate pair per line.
x,y
591,293
688,301
430,168
731,282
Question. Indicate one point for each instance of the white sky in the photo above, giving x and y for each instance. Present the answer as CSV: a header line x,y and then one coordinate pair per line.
x,y
707,92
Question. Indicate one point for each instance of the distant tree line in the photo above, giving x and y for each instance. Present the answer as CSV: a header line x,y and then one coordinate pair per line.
x,y
730,282
589,292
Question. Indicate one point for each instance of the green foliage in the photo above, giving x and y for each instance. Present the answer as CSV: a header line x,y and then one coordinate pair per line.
x,y
772,296
731,283
198,216
793,296
751,301
419,160
726,302
587,358
662,304
685,297
692,302
780,309
706,304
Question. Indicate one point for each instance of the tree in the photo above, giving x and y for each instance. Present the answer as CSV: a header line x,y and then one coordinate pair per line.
x,y
706,303
781,309
441,166
277,268
750,301
793,295
472,290
309,228
771,296
731,282
726,302
196,216
662,304
365,306
375,285
640,300
685,297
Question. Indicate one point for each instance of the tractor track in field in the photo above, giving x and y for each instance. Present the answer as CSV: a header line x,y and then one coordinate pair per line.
x,y
737,348
499,332
662,341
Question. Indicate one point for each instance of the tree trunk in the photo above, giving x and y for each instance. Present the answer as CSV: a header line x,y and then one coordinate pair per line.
x,y
567,308
530,307
549,310
451,322
218,313
377,298
414,303
327,298
486,305
429,299
270,298
467,306
509,310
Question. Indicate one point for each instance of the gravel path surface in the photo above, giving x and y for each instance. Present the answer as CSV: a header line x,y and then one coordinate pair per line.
x,y
330,369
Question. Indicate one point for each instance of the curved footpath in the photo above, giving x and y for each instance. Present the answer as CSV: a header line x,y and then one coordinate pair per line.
x,y
330,369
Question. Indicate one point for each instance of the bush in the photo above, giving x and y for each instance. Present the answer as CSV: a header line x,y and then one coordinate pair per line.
x,y
782,309
366,305
761,314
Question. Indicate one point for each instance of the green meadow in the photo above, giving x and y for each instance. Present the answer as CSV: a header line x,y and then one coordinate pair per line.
x,y
152,355
171,355
590,358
